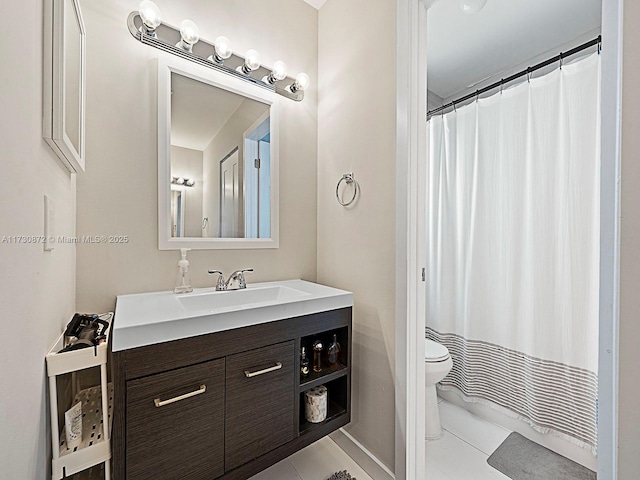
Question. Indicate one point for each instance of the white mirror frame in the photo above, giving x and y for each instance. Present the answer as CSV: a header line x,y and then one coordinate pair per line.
x,y
55,58
166,66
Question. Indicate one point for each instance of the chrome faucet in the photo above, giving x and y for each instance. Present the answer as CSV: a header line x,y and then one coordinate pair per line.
x,y
236,280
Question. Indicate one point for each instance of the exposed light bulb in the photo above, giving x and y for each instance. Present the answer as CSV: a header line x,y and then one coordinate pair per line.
x,y
180,181
191,182
278,72
223,47
251,62
301,83
469,7
190,34
150,15
252,59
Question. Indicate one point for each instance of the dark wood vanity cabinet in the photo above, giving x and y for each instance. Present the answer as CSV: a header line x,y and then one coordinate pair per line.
x,y
260,406
175,423
227,404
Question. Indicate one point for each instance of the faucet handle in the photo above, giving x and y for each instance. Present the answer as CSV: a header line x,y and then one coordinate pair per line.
x,y
238,275
220,285
243,282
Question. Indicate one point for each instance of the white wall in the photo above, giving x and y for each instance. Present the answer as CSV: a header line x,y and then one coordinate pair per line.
x,y
629,352
37,288
356,245
122,143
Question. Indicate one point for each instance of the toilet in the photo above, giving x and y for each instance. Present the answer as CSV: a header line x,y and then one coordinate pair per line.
x,y
437,364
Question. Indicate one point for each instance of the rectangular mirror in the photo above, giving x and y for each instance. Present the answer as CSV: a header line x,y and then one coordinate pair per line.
x,y
217,159
64,82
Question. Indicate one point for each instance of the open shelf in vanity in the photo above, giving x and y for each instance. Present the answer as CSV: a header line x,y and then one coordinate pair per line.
x,y
336,379
337,404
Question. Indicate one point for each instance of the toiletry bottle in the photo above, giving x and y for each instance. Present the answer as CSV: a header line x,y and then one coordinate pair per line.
x,y
333,352
183,284
304,363
317,356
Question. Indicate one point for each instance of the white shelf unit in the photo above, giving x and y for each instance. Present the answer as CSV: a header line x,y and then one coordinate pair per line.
x,y
96,445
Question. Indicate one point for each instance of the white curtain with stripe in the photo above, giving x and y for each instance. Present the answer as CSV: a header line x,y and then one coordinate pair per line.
x,y
513,260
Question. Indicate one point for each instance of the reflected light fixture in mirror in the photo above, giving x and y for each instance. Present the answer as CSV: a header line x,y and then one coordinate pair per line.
x,y
151,17
189,182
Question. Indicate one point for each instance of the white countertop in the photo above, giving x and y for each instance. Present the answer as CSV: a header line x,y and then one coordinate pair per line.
x,y
149,318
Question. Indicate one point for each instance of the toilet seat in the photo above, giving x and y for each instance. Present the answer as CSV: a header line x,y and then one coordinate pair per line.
x,y
435,352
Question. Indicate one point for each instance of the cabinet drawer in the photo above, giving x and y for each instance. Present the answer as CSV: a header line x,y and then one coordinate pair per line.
x,y
260,402
175,424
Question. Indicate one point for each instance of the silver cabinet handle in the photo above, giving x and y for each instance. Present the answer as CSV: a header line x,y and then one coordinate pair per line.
x,y
249,374
162,403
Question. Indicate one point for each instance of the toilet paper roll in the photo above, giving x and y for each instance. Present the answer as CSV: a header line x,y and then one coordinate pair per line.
x,y
315,404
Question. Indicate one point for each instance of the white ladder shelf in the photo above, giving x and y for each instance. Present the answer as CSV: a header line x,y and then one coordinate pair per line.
x,y
96,445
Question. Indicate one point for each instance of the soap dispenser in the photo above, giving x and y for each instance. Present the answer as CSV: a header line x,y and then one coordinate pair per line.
x,y
183,284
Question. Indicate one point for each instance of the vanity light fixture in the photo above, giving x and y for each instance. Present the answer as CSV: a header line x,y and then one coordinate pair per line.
x,y
190,34
189,182
145,25
151,17
279,72
221,50
251,62
302,82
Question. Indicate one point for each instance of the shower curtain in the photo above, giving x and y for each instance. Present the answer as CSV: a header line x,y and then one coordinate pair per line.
x,y
513,238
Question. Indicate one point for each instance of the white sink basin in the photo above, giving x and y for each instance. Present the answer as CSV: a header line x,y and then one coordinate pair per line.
x,y
238,299
148,318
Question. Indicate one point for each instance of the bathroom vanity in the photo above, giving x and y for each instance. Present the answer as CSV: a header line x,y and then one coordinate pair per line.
x,y
208,385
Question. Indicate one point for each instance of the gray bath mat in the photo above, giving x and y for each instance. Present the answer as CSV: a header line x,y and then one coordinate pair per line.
x,y
343,475
521,459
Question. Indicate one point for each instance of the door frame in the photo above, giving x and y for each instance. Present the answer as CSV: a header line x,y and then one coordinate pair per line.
x,y
411,239
252,134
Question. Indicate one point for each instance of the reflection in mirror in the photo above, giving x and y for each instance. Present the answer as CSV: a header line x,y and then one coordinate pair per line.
x,y
219,162
73,73
177,211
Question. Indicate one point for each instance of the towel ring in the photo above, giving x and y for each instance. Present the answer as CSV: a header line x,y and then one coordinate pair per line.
x,y
348,177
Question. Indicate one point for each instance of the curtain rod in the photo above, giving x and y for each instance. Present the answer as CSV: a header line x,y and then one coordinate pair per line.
x,y
527,71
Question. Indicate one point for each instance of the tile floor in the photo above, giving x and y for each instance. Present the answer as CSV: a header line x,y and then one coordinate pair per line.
x,y
462,452
318,461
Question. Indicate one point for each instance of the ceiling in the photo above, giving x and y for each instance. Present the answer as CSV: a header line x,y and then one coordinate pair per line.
x,y
465,49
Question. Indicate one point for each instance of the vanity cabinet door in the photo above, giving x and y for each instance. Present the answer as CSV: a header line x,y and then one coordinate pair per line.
x,y
260,402
175,424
